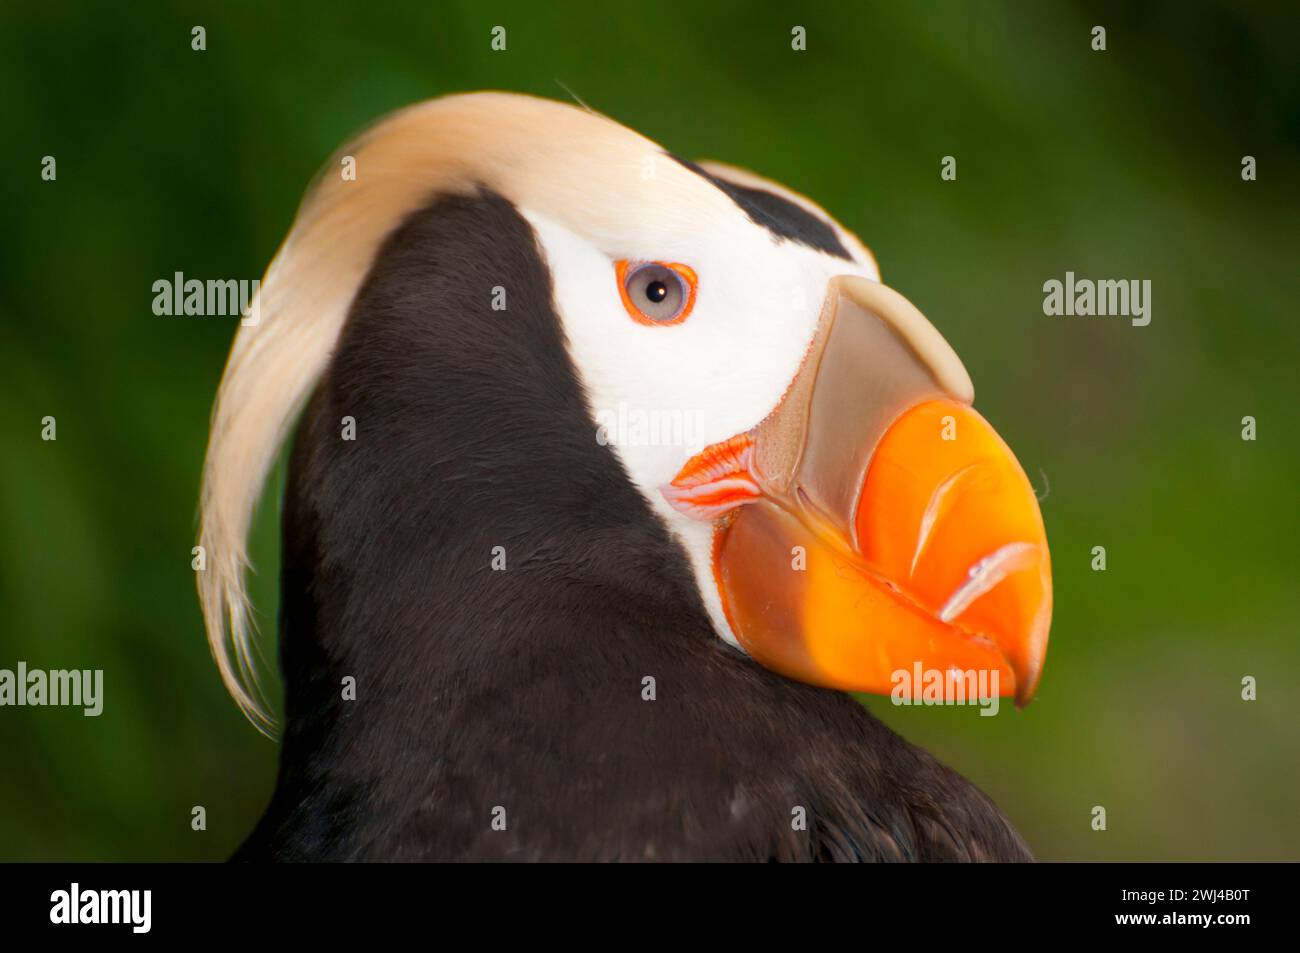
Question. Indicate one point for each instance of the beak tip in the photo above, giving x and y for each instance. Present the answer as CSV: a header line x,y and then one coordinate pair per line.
x,y
1023,698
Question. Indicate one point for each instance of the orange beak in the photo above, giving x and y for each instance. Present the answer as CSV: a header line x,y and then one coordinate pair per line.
x,y
874,521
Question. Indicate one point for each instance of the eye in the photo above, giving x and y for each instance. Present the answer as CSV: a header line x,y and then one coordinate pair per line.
x,y
656,292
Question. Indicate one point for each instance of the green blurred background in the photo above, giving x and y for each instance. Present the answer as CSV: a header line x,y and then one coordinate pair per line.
x,y
1122,164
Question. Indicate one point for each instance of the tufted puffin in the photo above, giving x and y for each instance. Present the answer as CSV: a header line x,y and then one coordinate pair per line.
x,y
611,475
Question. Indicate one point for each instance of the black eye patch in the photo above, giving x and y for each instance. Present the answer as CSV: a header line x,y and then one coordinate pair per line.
x,y
778,215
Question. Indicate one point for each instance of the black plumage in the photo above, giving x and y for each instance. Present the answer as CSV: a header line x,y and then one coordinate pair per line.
x,y
783,218
521,689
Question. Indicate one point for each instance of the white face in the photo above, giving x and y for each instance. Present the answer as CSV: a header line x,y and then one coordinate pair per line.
x,y
663,392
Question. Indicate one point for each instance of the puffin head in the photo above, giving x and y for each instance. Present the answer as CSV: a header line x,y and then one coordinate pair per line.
x,y
804,434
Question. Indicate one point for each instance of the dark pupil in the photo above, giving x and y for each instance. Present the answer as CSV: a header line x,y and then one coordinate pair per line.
x,y
656,291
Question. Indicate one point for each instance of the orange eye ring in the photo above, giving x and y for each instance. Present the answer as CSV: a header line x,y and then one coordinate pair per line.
x,y
623,267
